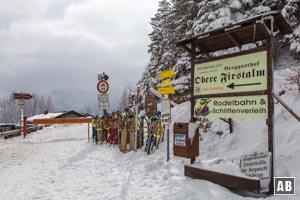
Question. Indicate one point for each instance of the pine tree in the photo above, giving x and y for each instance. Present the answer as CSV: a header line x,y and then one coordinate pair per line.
x,y
157,48
291,12
185,18
124,100
49,106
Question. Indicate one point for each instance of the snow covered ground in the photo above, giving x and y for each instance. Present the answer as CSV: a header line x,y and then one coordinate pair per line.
x,y
59,163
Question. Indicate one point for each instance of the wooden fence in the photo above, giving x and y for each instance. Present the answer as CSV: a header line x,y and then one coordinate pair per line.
x,y
18,132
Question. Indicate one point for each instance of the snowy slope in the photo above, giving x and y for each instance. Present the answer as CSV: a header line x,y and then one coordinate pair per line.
x,y
59,163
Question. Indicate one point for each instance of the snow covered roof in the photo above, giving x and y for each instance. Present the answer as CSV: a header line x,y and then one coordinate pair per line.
x,y
44,116
248,31
63,114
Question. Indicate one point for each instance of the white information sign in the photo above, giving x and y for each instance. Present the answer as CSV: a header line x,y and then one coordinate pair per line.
x,y
257,165
164,106
103,100
179,140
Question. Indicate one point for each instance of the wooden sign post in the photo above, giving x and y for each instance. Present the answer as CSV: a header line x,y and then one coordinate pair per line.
x,y
240,85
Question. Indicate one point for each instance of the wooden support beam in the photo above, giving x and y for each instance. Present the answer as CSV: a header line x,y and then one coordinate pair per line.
x,y
62,121
202,48
226,180
234,40
264,29
187,48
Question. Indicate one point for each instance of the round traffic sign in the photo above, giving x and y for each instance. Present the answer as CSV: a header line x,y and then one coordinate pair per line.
x,y
102,86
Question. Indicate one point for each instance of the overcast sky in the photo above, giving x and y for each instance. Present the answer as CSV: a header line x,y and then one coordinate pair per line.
x,y
57,47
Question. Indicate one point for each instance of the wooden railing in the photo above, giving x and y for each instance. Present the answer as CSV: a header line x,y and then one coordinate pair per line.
x,y
18,132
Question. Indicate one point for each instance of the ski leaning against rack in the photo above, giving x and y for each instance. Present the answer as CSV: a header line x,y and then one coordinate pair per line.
x,y
151,132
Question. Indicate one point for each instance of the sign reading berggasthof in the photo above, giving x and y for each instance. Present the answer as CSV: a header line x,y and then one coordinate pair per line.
x,y
230,75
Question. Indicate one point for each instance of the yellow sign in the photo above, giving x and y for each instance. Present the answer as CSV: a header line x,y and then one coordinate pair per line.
x,y
239,107
166,74
229,75
166,83
166,90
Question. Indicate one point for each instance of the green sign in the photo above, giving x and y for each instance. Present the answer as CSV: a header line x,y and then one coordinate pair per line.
x,y
229,75
239,107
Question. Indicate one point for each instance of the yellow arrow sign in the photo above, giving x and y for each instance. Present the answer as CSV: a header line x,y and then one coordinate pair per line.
x,y
166,83
166,74
166,90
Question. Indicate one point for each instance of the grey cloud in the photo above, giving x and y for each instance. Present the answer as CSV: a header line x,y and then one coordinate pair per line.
x,y
61,54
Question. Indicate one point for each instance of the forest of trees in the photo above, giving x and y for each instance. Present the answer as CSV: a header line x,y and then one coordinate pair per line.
x,y
10,111
176,20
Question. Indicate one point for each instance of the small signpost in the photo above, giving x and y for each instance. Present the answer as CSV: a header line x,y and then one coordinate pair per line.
x,y
103,97
166,89
103,100
256,165
102,86
21,97
165,107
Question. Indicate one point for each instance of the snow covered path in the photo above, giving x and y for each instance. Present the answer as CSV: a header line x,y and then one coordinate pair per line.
x,y
59,163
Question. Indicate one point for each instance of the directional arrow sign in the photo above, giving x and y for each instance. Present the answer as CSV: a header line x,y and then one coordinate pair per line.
x,y
166,90
232,85
241,73
167,74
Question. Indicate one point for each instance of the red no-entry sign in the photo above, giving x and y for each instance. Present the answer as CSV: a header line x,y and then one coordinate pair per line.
x,y
102,86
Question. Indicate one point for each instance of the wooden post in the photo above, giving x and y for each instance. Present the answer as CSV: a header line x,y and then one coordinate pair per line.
x,y
88,132
270,119
193,48
230,125
24,126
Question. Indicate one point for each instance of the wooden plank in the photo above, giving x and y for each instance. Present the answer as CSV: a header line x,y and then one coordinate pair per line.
x,y
16,132
226,180
123,140
62,121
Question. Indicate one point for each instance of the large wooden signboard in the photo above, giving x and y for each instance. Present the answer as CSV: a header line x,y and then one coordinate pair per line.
x,y
237,86
230,75
233,86
236,77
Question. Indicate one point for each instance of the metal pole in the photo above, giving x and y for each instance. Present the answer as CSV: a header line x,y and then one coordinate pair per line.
x,y
168,143
21,117
136,123
88,132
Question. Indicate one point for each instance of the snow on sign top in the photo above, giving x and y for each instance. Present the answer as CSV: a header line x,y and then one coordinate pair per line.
x,y
102,86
